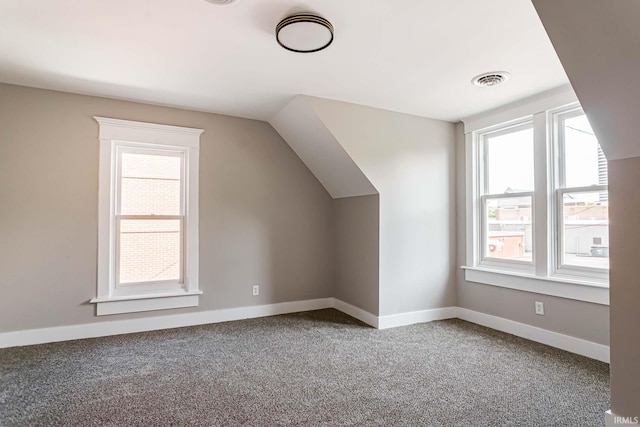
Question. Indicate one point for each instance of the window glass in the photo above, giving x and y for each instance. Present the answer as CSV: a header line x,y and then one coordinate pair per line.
x,y
586,229
509,162
508,234
584,160
150,250
150,184
150,233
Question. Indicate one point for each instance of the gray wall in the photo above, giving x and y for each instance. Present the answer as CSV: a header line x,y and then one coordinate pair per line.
x,y
356,239
570,317
410,161
624,206
264,218
597,42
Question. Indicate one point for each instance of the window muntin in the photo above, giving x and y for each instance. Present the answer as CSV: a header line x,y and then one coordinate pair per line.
x,y
581,198
506,196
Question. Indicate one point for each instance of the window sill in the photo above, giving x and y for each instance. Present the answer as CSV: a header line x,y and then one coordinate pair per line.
x,y
581,290
137,303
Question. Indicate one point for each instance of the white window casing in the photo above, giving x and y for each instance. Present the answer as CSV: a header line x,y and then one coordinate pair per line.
x,y
122,136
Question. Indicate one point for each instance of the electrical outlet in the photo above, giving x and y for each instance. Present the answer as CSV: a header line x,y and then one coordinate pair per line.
x,y
540,308
256,290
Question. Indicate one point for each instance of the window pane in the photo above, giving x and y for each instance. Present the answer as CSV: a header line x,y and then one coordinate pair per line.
x,y
509,162
150,185
151,166
585,163
586,229
509,229
149,250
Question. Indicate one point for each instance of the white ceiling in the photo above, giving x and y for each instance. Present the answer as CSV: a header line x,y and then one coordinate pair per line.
x,y
410,56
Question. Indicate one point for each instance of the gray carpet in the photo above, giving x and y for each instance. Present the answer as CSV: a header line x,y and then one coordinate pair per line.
x,y
307,369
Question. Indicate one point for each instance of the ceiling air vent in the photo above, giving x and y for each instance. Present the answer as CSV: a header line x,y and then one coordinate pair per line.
x,y
493,78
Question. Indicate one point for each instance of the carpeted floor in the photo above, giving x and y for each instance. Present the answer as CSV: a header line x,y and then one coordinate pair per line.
x,y
306,369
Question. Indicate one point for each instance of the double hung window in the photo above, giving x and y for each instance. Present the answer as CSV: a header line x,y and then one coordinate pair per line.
x,y
507,185
537,202
148,217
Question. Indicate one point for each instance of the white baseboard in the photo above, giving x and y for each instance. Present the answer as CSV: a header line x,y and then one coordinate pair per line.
x,y
358,313
412,317
609,419
544,336
117,327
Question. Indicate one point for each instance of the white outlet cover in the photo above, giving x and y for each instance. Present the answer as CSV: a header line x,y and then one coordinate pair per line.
x,y
540,308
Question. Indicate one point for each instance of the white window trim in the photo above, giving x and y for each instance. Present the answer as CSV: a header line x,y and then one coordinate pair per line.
x,y
557,286
116,133
484,195
545,279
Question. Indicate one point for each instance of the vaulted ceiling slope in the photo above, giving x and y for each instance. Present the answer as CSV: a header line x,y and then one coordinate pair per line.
x,y
414,56
301,127
599,43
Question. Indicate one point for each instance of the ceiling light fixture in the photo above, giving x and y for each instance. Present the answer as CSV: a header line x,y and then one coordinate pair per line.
x,y
304,33
493,78
221,2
